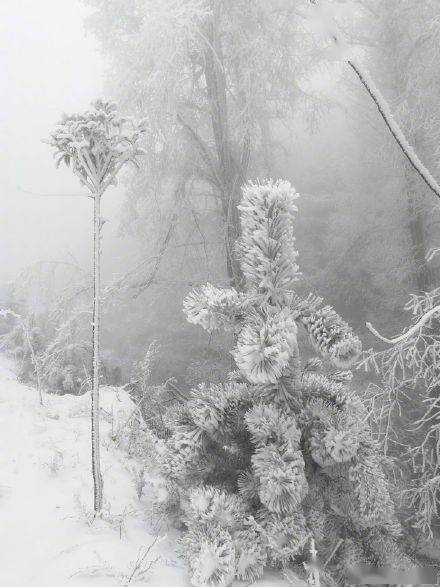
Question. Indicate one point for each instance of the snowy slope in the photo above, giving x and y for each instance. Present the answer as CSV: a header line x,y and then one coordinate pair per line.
x,y
47,538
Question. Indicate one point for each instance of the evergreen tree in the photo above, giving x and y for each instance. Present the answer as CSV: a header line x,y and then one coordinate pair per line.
x,y
278,455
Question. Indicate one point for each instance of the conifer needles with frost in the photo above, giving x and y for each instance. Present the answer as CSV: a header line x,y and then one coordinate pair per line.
x,y
279,454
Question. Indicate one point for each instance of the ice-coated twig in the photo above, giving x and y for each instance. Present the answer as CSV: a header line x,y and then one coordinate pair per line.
x,y
407,334
385,112
333,552
393,127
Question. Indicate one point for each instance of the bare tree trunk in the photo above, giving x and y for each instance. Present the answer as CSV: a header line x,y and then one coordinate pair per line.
x,y
26,329
230,172
96,461
418,238
266,143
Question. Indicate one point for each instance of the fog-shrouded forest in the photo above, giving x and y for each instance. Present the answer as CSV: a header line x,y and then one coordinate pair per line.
x,y
220,293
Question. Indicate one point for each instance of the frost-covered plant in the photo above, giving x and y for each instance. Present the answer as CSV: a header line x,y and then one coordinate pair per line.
x,y
66,358
25,344
151,400
407,407
53,298
277,455
96,144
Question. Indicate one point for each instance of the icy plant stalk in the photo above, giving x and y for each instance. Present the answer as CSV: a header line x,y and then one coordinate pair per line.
x,y
96,460
96,145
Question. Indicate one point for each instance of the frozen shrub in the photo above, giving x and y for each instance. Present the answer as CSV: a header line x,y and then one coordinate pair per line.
x,y
277,455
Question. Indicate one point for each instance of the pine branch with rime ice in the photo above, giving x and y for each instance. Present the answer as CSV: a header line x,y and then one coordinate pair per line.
x,y
260,465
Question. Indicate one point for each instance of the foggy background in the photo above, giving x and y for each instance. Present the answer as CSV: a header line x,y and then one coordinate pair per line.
x,y
225,92
48,65
365,223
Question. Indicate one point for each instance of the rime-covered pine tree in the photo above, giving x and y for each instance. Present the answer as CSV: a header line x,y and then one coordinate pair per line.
x,y
96,144
279,454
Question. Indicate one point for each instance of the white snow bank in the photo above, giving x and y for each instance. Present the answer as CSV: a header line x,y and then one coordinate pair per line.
x,y
46,535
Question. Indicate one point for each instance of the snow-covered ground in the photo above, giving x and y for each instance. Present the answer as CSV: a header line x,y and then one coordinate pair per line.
x,y
46,535
47,538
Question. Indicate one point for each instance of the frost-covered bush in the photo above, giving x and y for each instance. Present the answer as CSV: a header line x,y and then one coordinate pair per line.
x,y
66,362
49,335
151,400
56,354
278,454
406,403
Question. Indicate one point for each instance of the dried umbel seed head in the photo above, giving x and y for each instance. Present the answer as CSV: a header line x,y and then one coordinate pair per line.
x,y
97,143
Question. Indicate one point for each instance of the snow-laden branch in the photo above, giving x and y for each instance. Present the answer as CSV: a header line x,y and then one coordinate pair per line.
x,y
327,24
407,334
4,313
393,127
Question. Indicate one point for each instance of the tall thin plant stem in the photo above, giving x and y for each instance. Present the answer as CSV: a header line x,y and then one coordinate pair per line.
x,y
96,461
97,143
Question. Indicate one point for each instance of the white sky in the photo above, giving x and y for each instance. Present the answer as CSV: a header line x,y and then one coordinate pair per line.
x,y
47,65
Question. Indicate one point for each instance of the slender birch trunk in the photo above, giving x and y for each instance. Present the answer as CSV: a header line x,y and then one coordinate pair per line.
x,y
96,461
